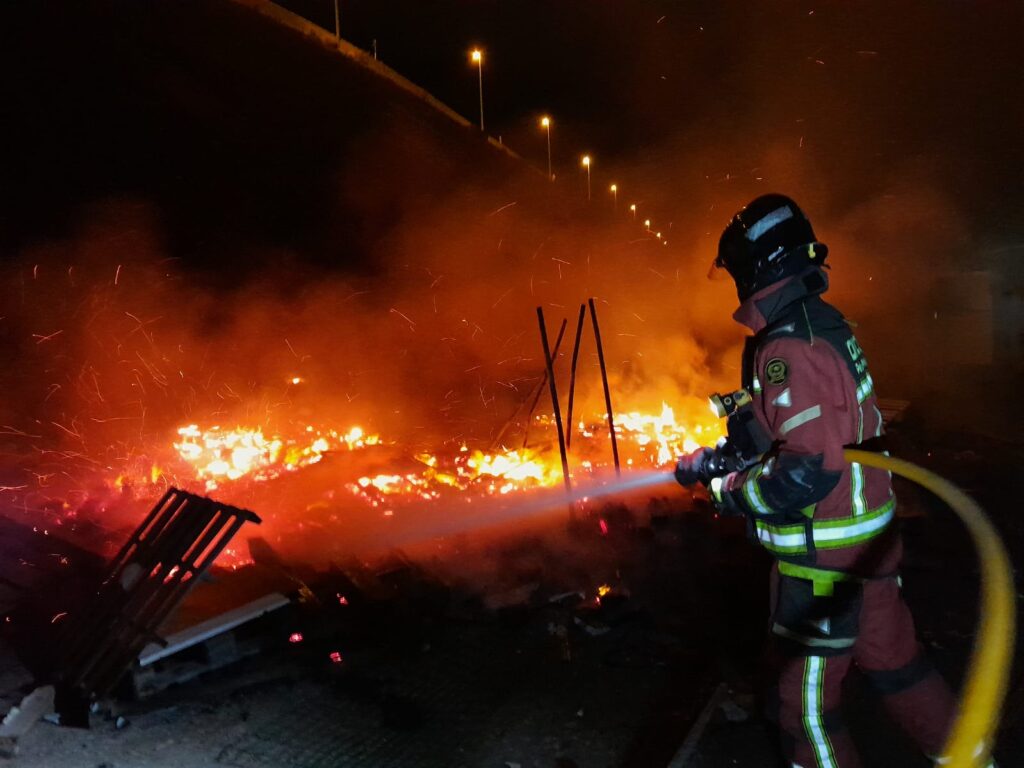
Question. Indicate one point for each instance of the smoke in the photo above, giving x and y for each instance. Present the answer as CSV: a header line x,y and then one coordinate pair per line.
x,y
118,345
281,258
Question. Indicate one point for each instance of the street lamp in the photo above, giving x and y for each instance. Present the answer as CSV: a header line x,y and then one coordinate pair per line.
x,y
545,123
585,161
632,210
647,224
477,57
615,196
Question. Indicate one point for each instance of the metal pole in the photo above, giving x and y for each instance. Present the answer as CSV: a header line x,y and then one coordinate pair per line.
x,y
337,21
375,49
588,182
480,71
572,374
615,199
540,387
550,175
554,399
607,392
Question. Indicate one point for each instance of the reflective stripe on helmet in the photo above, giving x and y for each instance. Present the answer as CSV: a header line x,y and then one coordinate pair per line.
x,y
765,223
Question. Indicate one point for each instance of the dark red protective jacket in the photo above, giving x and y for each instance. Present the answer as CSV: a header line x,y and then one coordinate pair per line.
x,y
812,391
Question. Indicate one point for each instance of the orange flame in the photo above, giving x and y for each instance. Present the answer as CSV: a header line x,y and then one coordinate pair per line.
x,y
218,454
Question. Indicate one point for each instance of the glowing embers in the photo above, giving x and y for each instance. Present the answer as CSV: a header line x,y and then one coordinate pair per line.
x,y
513,469
218,454
473,472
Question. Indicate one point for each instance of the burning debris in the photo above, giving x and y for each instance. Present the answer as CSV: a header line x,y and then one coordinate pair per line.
x,y
220,455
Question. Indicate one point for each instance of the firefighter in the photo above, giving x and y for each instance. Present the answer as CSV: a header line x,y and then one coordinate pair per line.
x,y
835,598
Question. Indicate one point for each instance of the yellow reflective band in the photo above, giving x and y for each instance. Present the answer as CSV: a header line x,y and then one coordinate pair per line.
x,y
860,502
828,534
752,493
865,389
814,724
823,580
716,489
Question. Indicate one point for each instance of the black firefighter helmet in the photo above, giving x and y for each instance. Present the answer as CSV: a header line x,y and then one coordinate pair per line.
x,y
768,240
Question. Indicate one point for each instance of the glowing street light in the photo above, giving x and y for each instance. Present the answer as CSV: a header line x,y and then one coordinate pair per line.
x,y
585,162
647,224
545,123
614,188
632,210
477,57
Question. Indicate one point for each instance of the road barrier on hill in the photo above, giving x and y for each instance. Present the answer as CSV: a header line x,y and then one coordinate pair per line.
x,y
293,21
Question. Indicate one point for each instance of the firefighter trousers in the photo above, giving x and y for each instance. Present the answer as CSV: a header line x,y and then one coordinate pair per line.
x,y
814,641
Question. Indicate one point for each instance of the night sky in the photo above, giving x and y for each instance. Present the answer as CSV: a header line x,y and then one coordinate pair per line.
x,y
632,82
665,95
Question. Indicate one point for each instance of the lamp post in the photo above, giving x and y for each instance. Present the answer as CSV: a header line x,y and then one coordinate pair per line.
x,y
615,196
647,224
477,58
545,123
585,161
632,210
337,22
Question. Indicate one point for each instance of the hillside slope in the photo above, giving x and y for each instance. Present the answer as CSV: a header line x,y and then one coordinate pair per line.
x,y
244,134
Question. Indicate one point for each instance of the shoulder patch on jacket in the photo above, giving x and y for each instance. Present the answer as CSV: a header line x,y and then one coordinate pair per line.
x,y
776,371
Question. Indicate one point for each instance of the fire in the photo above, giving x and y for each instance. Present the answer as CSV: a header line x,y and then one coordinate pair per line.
x,y
661,437
484,474
218,454
515,467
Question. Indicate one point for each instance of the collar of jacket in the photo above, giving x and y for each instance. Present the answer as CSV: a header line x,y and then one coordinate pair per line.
x,y
767,305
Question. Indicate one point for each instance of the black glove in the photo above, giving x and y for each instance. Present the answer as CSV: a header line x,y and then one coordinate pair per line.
x,y
693,467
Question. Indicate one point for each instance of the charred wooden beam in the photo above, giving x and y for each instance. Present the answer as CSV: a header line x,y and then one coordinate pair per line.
x,y
607,392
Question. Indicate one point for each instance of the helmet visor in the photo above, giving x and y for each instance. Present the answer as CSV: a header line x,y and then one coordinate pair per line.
x,y
717,272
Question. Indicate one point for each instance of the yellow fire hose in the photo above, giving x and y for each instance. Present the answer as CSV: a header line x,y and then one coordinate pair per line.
x,y
970,741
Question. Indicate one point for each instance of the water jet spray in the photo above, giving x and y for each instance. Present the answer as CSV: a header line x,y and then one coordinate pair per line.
x,y
533,507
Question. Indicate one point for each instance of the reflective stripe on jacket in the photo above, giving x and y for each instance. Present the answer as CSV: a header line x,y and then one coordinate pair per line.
x,y
813,392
